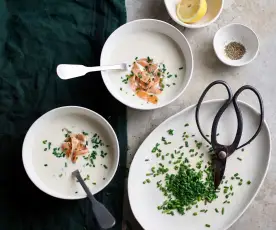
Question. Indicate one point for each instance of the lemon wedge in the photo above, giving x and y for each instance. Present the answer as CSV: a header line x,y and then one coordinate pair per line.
x,y
191,11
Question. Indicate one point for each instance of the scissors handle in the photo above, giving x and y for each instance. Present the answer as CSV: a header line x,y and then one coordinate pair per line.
x,y
235,103
222,109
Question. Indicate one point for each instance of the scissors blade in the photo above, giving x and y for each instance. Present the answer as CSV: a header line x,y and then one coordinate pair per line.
x,y
219,168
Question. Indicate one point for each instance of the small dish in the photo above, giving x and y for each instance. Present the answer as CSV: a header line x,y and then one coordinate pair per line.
x,y
50,172
147,38
236,33
214,9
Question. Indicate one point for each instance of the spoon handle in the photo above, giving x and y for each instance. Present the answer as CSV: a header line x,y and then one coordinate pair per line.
x,y
66,71
103,216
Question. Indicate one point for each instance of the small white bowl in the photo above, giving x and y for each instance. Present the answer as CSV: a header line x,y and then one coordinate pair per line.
x,y
236,33
214,9
42,166
147,38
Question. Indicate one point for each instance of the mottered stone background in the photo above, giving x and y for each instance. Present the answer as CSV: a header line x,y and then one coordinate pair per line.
x,y
260,15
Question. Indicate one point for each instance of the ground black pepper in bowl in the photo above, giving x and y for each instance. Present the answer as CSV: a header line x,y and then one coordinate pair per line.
x,y
235,50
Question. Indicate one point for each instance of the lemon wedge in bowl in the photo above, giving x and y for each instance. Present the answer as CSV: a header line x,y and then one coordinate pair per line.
x,y
191,11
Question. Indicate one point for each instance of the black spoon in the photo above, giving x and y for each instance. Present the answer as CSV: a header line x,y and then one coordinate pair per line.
x,y
103,216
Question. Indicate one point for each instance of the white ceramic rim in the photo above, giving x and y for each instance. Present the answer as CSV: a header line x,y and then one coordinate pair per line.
x,y
207,102
112,133
232,63
189,77
196,26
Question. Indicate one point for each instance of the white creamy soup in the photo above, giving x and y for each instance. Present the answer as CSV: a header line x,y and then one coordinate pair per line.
x,y
161,49
54,168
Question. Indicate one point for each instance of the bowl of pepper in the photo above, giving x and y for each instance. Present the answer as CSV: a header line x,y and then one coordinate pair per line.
x,y
236,45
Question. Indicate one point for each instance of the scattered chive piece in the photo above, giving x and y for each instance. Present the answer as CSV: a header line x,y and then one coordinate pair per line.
x,y
216,210
45,149
239,159
249,182
170,131
186,144
94,183
186,125
105,166
236,174
242,149
222,211
65,164
146,159
60,175
49,145
207,225
121,89
180,68
76,192
85,133
44,142
45,165
195,214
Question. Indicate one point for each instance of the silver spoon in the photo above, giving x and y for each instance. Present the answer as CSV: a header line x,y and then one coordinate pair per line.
x,y
66,71
103,216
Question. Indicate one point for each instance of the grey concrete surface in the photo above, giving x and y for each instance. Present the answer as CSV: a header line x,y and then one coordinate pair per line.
x,y
260,15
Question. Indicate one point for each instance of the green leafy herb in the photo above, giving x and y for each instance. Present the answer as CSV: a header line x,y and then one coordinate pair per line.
x,y
49,145
85,134
207,225
44,142
170,131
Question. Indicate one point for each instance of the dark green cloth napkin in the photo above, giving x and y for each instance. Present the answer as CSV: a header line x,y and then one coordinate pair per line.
x,y
36,36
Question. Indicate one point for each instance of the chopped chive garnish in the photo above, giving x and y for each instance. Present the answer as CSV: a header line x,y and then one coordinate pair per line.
x,y
170,131
94,183
222,211
195,214
60,175
180,68
85,134
186,125
65,164
45,165
45,149
44,142
49,145
105,166
249,182
239,159
207,225
216,210
236,174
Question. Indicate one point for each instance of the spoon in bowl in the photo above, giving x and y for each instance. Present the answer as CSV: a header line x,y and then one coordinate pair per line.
x,y
66,71
103,216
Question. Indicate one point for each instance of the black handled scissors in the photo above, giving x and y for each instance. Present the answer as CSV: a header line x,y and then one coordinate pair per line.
x,y
222,152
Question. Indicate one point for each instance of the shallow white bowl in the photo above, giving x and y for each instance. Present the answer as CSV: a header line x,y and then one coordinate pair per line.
x,y
213,11
144,198
121,47
49,125
238,33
